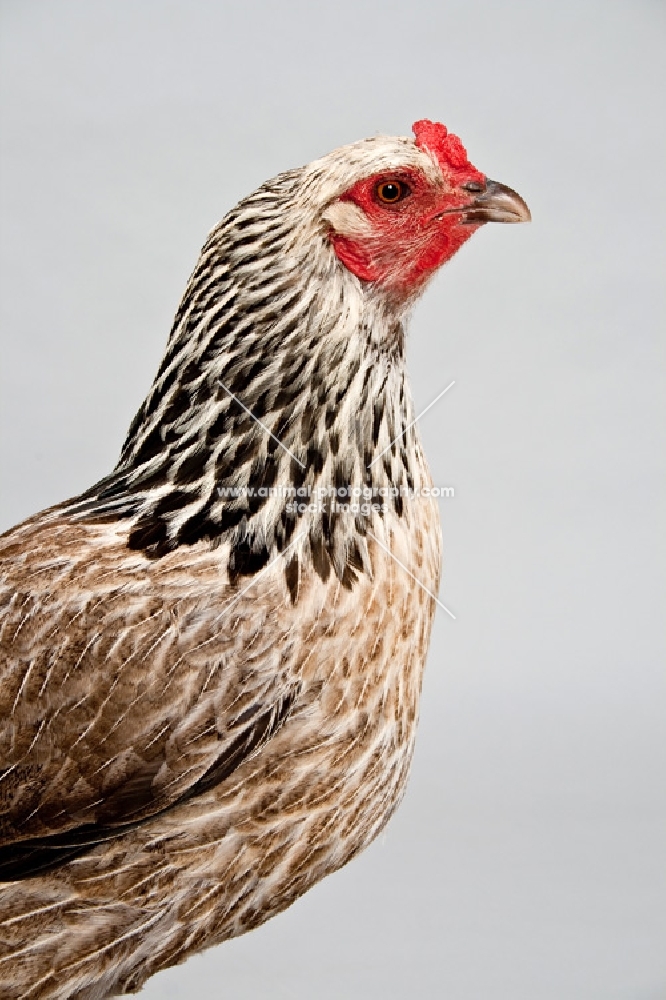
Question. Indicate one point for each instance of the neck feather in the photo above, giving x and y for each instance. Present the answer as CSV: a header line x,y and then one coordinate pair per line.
x,y
282,372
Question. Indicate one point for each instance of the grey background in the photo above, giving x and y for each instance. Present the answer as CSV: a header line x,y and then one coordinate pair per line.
x,y
528,859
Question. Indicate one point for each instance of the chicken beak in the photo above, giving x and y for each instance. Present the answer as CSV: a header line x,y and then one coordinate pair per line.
x,y
498,203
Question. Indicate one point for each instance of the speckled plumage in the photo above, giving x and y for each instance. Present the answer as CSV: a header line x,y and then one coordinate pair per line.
x,y
208,703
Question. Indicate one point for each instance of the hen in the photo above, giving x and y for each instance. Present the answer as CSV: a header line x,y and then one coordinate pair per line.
x,y
212,659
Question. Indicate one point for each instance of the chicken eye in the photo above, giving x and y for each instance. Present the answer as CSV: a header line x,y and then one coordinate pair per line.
x,y
391,191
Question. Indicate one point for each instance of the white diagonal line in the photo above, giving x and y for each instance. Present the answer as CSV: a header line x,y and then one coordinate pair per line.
x,y
258,421
256,577
409,573
402,433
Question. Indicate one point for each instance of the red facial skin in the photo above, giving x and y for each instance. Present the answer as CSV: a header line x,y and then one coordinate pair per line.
x,y
411,238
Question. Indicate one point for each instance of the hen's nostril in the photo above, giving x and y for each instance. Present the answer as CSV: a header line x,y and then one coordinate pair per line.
x,y
475,187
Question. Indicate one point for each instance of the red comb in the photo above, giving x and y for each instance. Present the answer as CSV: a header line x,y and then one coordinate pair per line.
x,y
447,147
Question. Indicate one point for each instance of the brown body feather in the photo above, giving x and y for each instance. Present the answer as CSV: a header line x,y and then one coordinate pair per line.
x,y
181,664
